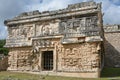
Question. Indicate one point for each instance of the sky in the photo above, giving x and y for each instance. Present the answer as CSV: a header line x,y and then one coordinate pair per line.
x,y
12,8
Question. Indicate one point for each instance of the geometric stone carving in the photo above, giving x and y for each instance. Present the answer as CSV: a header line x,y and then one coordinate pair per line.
x,y
80,60
78,27
43,43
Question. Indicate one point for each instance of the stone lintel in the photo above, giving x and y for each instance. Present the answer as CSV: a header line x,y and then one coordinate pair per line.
x,y
82,40
47,37
17,45
93,39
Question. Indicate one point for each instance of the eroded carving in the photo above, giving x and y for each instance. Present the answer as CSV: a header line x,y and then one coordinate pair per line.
x,y
85,26
20,31
47,28
43,43
75,59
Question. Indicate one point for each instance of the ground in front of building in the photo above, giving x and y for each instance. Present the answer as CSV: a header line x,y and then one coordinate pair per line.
x,y
107,74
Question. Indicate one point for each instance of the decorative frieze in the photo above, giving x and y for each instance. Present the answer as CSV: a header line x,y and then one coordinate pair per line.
x,y
43,43
80,27
47,28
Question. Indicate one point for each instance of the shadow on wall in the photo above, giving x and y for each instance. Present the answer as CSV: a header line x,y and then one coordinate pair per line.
x,y
112,61
112,56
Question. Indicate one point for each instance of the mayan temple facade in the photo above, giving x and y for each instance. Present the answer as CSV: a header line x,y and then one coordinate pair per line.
x,y
65,42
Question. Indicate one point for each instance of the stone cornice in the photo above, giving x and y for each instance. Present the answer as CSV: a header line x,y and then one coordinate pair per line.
x,y
48,15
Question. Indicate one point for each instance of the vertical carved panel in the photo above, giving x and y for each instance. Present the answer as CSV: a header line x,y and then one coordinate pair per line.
x,y
12,60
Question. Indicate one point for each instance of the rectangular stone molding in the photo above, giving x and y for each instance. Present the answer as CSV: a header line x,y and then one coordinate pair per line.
x,y
63,42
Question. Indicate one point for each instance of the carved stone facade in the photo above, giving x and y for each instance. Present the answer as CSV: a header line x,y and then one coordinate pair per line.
x,y
64,42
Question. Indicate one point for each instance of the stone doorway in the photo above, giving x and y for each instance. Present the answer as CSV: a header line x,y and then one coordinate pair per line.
x,y
47,60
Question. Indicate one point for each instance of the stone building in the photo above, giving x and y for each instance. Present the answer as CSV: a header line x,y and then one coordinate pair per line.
x,y
112,45
65,42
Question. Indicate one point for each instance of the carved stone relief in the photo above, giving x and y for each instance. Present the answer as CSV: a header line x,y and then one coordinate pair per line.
x,y
43,43
19,35
78,59
13,31
47,28
23,59
80,27
26,31
59,52
12,60
20,31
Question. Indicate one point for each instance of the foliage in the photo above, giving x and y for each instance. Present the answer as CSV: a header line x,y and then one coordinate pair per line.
x,y
2,49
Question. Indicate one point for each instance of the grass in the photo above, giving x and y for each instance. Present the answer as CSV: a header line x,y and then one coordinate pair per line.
x,y
107,74
26,76
110,72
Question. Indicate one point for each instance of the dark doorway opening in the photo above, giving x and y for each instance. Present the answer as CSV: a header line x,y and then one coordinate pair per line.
x,y
47,60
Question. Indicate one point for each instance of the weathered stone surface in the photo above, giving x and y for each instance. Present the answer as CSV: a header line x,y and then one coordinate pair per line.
x,y
79,57
20,59
73,35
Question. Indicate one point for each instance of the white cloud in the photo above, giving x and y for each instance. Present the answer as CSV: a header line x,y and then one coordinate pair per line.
x,y
108,7
51,4
9,9
111,11
117,2
112,15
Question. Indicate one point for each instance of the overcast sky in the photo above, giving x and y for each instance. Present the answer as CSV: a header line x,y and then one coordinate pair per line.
x,y
11,8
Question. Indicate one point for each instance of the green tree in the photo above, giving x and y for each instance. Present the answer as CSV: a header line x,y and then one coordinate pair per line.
x,y
2,49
